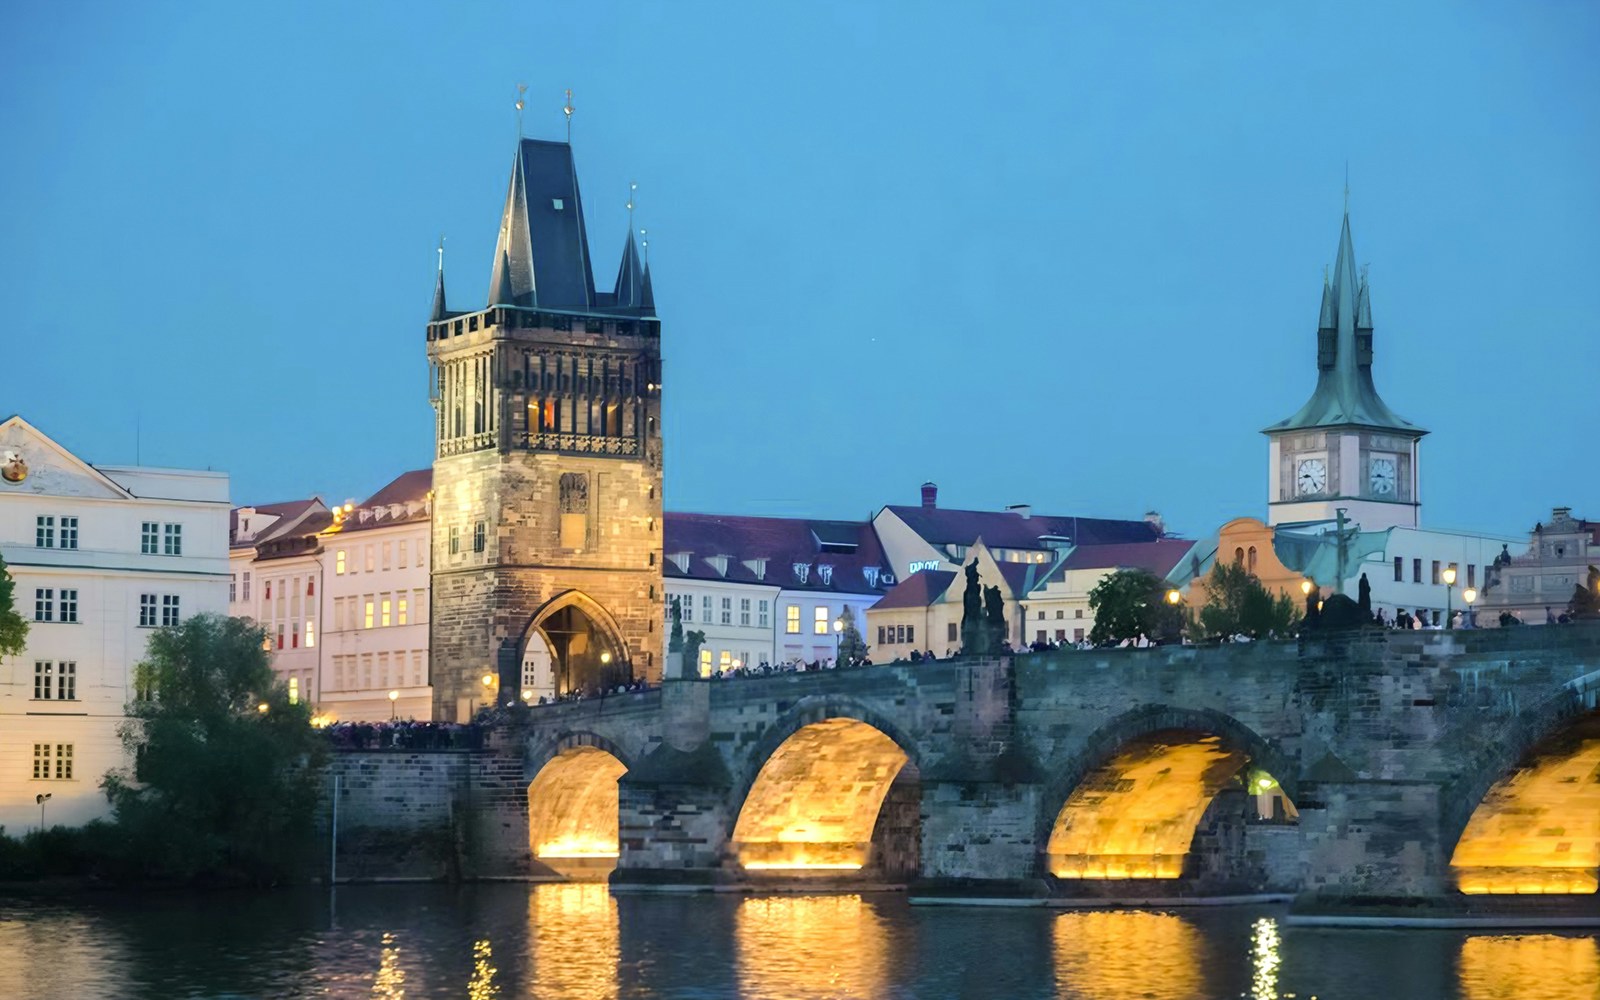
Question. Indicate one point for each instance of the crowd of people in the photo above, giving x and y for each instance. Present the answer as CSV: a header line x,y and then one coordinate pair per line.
x,y
403,734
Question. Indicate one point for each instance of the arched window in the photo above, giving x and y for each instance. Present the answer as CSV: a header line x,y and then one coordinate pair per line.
x,y
1252,563
1238,557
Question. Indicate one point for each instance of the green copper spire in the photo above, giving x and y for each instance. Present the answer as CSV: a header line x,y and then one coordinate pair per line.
x,y
1345,395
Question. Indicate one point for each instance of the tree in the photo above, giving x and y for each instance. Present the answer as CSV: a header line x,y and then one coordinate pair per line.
x,y
13,627
852,648
226,771
1585,601
1237,604
1129,603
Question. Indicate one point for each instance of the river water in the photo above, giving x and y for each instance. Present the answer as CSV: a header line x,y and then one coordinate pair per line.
x,y
578,941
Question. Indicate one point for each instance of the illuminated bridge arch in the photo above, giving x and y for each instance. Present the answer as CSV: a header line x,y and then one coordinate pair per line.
x,y
1135,794
572,805
832,786
1527,821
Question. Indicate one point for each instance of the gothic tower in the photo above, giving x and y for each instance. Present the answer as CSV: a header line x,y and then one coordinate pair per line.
x,y
546,567
1345,447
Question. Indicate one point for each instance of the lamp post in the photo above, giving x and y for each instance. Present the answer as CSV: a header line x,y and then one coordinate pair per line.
x,y
1470,595
1449,576
838,637
41,798
1174,599
394,697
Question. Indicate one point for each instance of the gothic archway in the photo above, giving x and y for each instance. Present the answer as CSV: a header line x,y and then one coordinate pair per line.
x,y
581,645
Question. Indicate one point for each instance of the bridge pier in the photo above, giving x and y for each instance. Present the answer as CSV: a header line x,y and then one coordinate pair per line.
x,y
979,837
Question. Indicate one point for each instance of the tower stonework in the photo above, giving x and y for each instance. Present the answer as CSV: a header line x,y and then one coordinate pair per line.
x,y
546,570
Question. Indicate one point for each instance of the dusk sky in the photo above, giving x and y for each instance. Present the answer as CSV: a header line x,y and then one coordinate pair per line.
x,y
1068,255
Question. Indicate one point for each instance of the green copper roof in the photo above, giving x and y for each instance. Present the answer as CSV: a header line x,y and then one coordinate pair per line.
x,y
1345,394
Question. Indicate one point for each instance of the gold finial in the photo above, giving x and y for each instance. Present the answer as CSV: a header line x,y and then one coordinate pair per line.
x,y
644,240
632,187
441,253
522,89
567,110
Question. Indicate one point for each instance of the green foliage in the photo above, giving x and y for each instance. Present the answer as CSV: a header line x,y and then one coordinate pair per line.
x,y
222,791
1585,601
1237,604
691,652
852,648
1129,603
13,627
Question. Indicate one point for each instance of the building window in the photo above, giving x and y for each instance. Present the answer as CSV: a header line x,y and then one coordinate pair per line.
x,y
1251,559
477,537
44,532
911,633
41,761
763,619
881,632
1061,635
69,606
455,540
63,762
400,554
147,611
311,586
725,660
44,602
705,609
311,634
149,538
233,587
686,605
43,676
744,611
370,559
1038,636
383,612
338,563
400,609
1077,635
280,635
246,586
294,635
573,495
1077,612
727,611
1060,613
1472,575
705,663
269,590
1436,571
172,539
169,610
951,632
791,616
819,621
294,690
1399,569
1041,616
367,618
1416,571
69,532
383,556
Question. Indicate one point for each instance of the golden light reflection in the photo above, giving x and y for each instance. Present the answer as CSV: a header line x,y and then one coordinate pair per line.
x,y
1546,966
1128,955
572,929
482,986
1135,816
1538,830
816,801
391,979
1264,959
572,811
802,947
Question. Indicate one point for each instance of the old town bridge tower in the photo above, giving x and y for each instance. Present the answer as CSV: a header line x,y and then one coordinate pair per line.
x,y
546,568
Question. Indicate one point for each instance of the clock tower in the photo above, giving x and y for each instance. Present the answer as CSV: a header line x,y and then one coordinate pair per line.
x,y
1345,447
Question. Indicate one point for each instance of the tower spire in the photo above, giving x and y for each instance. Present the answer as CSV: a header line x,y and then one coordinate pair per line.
x,y
567,110
440,310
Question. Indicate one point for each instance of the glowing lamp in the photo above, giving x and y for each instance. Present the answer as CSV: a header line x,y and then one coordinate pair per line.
x,y
838,624
488,680
527,695
1469,595
1305,587
262,708
605,657
1174,598
1450,576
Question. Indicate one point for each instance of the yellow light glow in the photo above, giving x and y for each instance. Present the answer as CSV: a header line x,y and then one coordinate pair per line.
x,y
1128,955
1547,966
1264,959
262,708
572,812
394,695
589,971
488,680
1469,595
811,946
1449,576
605,657
843,866
1305,587
1173,597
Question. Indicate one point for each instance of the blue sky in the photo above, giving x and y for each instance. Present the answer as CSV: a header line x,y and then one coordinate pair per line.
x,y
1069,255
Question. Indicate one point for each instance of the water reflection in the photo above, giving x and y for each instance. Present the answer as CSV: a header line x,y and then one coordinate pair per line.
x,y
481,986
572,940
794,947
1264,959
1546,966
61,955
1125,955
391,979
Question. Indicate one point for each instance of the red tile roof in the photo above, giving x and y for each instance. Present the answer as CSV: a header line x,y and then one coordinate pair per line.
x,y
1157,556
918,590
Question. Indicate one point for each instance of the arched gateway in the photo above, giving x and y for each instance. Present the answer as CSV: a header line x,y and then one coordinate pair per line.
x,y
573,645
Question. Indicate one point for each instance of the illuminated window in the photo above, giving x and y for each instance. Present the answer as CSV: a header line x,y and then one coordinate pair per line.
x,y
384,610
44,532
367,619
172,539
294,690
400,611
311,634
705,663
338,563
762,616
819,621
725,661
791,619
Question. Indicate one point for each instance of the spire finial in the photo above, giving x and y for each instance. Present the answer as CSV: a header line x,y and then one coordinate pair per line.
x,y
567,110
644,244
522,90
632,187
1347,187
441,253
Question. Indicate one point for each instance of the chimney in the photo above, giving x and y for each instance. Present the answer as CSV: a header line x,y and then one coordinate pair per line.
x,y
930,496
1153,519
1023,510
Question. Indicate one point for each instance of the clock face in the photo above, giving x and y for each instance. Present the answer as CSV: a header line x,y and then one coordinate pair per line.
x,y
1381,478
1311,476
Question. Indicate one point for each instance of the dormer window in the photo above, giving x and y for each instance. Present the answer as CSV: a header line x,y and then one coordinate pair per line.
x,y
720,564
825,574
680,560
871,575
802,571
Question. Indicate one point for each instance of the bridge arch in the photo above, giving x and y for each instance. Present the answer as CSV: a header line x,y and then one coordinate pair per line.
x,y
572,644
1526,818
573,804
831,785
1128,802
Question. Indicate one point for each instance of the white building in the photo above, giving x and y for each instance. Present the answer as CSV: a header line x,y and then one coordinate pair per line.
x,y
100,557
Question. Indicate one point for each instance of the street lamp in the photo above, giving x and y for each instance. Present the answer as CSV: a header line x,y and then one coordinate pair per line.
x,y
41,798
262,708
1449,585
394,696
838,637
1174,598
1470,595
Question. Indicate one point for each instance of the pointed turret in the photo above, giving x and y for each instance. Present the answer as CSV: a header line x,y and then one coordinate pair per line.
x,y
542,254
630,277
647,294
503,293
1345,394
440,310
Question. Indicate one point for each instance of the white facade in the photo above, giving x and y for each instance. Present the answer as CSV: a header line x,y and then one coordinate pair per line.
x,y
1409,573
101,558
377,603
737,618
804,623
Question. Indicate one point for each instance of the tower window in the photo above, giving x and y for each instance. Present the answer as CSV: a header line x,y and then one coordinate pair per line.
x,y
455,540
478,537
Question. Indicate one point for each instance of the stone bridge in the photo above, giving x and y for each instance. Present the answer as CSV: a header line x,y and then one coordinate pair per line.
x,y
1372,766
